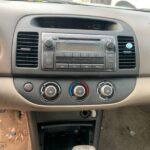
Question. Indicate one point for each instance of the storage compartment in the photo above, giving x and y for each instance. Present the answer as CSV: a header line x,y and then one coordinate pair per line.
x,y
65,135
75,23
63,130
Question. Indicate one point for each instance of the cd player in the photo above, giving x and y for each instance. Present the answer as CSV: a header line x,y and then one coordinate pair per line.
x,y
78,52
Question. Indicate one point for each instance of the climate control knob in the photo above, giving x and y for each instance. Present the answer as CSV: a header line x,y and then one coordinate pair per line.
x,y
50,91
106,90
79,91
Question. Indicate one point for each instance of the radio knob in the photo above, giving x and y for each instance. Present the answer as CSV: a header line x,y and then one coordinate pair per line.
x,y
110,45
50,91
106,90
48,44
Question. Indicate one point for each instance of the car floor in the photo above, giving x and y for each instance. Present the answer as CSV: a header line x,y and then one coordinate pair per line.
x,y
122,129
126,129
14,131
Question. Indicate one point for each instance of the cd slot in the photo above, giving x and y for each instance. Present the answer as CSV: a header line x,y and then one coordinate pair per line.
x,y
79,39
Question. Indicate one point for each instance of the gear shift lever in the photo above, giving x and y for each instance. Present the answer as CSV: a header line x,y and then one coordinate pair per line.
x,y
83,147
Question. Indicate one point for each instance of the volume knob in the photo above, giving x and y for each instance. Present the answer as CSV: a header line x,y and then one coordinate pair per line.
x,y
48,44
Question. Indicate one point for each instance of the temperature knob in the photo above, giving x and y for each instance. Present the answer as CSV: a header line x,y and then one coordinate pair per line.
x,y
105,90
79,90
50,91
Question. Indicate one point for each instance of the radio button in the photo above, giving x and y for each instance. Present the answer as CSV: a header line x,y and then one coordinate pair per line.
x,y
28,87
98,66
110,66
47,60
74,66
93,54
59,54
100,55
110,63
76,54
62,66
86,66
68,54
84,54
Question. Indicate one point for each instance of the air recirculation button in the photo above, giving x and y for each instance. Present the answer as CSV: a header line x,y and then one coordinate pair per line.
x,y
50,91
105,90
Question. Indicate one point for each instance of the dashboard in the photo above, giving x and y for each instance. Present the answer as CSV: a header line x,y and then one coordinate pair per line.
x,y
72,57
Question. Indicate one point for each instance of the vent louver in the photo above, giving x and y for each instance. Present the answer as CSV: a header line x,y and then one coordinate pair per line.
x,y
127,56
27,49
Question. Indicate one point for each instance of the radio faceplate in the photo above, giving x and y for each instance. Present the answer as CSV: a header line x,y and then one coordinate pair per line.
x,y
78,52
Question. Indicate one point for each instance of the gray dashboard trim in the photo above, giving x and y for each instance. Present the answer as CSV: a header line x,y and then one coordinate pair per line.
x,y
13,11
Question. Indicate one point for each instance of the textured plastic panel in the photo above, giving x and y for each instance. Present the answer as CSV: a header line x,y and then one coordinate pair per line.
x,y
125,31
123,88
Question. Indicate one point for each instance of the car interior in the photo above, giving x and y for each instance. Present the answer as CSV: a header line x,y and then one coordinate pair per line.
x,y
74,76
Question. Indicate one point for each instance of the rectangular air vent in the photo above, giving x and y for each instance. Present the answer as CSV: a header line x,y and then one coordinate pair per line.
x,y
27,49
127,56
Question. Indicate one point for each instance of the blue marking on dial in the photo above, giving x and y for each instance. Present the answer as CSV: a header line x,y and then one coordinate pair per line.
x,y
72,87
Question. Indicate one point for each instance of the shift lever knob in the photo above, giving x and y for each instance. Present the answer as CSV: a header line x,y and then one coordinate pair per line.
x,y
83,147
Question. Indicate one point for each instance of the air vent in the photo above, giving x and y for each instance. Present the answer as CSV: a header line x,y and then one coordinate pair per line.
x,y
27,49
127,56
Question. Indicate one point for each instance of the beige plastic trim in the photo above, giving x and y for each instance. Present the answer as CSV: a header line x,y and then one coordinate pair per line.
x,y
11,99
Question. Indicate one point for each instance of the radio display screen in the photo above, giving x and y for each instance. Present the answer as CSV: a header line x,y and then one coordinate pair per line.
x,y
60,46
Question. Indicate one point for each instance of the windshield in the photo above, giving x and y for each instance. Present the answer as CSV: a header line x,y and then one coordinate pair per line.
x,y
124,4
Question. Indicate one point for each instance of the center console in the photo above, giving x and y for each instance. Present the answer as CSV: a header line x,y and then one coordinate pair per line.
x,y
56,62
69,61
63,130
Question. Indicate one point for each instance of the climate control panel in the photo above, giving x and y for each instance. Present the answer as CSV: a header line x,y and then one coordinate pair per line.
x,y
70,91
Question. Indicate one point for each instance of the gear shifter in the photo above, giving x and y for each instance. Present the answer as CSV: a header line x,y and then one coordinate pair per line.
x,y
83,147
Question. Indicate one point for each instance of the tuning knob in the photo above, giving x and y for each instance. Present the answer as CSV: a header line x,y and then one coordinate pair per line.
x,y
50,91
105,90
110,45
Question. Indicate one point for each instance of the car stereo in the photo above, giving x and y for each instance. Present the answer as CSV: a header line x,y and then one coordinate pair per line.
x,y
78,52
